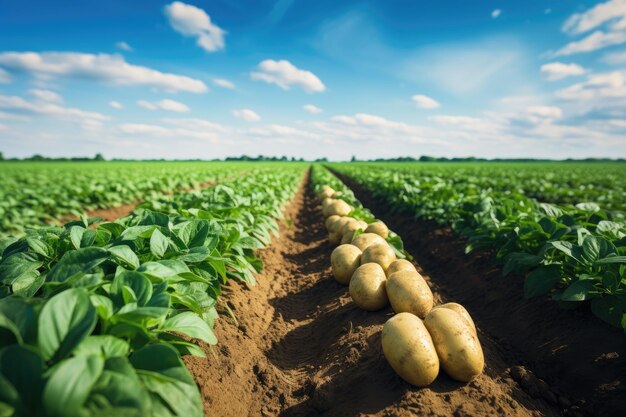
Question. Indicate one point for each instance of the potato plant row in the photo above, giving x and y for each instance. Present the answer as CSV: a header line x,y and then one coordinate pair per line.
x,y
94,317
576,254
36,194
421,337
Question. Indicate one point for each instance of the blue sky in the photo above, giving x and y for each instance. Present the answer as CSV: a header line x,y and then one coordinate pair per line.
x,y
208,79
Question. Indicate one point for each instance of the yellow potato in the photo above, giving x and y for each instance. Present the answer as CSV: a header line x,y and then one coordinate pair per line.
x,y
352,225
458,348
338,224
337,194
367,287
400,265
338,207
347,238
365,240
409,349
462,311
379,253
325,192
334,238
378,228
344,260
330,222
408,292
326,202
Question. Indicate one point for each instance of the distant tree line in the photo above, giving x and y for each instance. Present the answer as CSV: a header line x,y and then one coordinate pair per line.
x,y
426,158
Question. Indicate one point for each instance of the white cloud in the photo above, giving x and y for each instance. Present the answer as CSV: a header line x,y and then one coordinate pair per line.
x,y
496,13
221,82
615,58
473,124
598,87
165,104
558,70
5,77
192,21
545,112
116,105
425,102
612,12
124,46
312,109
110,69
20,106
607,20
247,115
45,96
597,40
284,74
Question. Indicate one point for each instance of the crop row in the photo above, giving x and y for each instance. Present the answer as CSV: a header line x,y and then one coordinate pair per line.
x,y
576,254
34,194
94,317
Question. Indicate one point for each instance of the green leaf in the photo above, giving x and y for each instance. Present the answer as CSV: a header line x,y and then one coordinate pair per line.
x,y
158,244
609,308
125,255
541,280
579,291
70,384
195,255
23,369
139,283
16,266
18,317
76,235
65,320
77,262
105,345
189,324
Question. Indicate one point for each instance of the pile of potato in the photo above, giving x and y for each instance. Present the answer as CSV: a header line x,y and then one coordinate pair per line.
x,y
421,337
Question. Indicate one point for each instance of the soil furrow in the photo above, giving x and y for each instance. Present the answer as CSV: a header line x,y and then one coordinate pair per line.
x,y
581,358
302,348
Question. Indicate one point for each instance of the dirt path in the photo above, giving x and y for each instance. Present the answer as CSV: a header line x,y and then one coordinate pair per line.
x,y
302,348
582,359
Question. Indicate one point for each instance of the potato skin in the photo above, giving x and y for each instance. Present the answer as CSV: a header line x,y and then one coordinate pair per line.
x,y
367,287
338,207
363,241
330,222
334,238
352,225
458,348
344,260
463,312
409,349
400,265
378,228
408,292
326,192
380,254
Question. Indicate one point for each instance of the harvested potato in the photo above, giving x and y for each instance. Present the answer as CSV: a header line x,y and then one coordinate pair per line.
x,y
352,225
325,192
458,348
347,238
338,207
409,349
330,222
462,311
337,194
344,260
334,238
365,240
367,287
408,292
400,265
327,202
338,225
378,228
379,253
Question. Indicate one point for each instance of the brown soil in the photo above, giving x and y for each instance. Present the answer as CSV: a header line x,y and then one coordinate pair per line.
x,y
574,352
302,348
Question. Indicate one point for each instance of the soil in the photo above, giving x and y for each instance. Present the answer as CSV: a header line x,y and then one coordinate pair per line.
x,y
581,359
300,347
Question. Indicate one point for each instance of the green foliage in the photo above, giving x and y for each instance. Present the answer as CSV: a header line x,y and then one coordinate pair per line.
x,y
575,253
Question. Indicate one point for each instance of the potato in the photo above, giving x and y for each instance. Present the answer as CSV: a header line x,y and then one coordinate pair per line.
x,y
400,265
463,312
325,192
337,194
330,222
344,260
340,223
352,225
379,253
409,349
334,238
408,292
378,228
327,202
347,238
367,287
338,207
365,240
458,348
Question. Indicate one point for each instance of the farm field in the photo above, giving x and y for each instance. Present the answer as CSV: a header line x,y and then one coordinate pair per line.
x,y
214,295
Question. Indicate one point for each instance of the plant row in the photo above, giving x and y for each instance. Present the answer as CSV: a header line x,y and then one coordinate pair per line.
x,y
576,254
94,317
421,337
